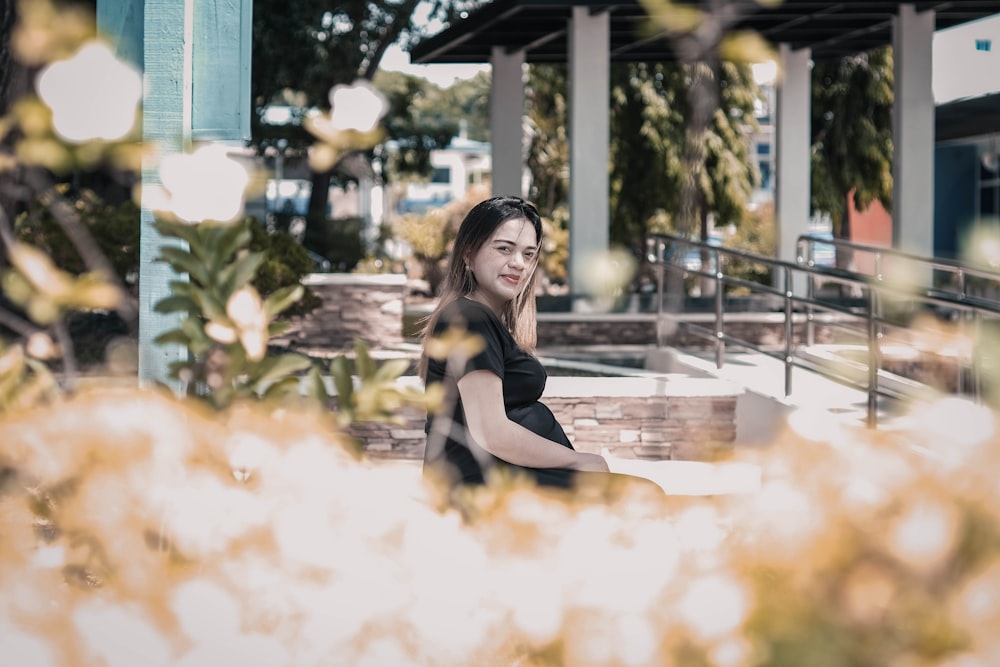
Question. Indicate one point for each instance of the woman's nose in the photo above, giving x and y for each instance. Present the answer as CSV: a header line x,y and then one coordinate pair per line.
x,y
517,259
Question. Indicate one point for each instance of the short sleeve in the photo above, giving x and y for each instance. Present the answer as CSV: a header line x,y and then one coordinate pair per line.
x,y
476,319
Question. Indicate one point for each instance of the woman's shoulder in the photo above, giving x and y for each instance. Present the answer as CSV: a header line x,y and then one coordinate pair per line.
x,y
467,312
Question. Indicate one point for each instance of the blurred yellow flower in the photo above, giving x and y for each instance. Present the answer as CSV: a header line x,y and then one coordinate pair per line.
x,y
43,288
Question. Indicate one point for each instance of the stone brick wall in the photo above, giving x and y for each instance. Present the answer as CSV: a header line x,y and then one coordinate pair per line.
x,y
651,418
369,307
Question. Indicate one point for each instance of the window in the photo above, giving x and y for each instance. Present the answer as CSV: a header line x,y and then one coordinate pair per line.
x,y
441,175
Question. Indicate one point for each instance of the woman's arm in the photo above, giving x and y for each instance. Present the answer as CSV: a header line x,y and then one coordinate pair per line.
x,y
482,398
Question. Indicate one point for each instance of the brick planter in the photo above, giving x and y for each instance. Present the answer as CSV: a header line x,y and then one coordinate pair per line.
x,y
675,418
369,307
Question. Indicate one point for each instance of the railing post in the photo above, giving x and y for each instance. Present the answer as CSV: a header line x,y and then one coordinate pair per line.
x,y
874,357
976,360
789,331
720,342
660,269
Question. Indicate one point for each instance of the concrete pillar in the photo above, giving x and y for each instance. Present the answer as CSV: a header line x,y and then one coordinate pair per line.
x,y
589,99
167,126
913,132
792,154
195,55
507,121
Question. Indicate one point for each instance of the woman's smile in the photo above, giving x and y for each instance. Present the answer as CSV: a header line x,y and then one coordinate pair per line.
x,y
504,262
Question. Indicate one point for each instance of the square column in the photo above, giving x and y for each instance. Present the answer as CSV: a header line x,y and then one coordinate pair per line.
x,y
589,100
195,59
507,121
792,155
913,132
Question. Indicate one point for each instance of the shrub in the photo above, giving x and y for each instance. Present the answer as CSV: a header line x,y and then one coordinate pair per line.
x,y
285,263
114,228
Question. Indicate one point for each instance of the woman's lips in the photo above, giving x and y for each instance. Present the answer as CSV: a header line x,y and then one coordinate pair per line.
x,y
513,280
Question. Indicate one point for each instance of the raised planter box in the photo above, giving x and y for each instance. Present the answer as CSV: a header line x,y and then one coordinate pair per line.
x,y
659,418
354,306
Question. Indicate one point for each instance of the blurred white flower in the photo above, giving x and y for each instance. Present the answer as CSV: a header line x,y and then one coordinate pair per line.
x,y
714,605
41,346
608,272
246,310
93,95
22,648
205,610
220,332
204,185
119,635
358,107
925,534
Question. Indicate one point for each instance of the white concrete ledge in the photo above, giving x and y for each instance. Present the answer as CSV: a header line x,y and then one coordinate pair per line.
x,y
619,387
387,279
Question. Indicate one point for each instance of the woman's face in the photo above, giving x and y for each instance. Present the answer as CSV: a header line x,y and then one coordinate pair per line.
x,y
503,265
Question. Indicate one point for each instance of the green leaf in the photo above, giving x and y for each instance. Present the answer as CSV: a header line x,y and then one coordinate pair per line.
x,y
230,240
176,304
281,299
363,361
177,336
183,261
240,272
193,235
211,306
340,371
286,388
278,327
182,287
390,370
315,386
277,368
198,340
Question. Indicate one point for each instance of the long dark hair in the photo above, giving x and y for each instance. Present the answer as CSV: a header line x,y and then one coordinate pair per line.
x,y
520,314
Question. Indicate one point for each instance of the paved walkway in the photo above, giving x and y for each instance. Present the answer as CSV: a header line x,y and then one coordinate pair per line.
x,y
765,376
761,414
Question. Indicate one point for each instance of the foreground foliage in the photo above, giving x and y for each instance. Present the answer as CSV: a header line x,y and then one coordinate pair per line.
x,y
167,534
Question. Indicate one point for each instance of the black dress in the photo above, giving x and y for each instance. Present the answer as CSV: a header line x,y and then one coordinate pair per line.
x,y
451,450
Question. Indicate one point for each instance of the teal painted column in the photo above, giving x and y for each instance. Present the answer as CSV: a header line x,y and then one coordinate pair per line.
x,y
195,58
121,23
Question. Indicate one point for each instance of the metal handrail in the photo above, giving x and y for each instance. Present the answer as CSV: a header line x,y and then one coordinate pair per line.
x,y
665,250
958,271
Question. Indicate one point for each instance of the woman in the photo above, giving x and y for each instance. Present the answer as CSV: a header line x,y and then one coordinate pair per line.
x,y
493,417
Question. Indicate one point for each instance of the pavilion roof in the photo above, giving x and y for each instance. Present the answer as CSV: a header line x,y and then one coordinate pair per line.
x,y
540,27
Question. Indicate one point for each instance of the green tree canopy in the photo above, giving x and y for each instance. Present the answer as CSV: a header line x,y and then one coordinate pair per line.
x,y
852,102
302,49
651,107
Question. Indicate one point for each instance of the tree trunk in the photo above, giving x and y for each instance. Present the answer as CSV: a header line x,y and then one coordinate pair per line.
x,y
316,235
845,256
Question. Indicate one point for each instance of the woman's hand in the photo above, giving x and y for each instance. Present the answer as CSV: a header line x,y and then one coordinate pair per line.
x,y
591,462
